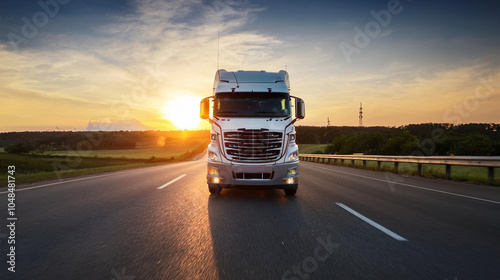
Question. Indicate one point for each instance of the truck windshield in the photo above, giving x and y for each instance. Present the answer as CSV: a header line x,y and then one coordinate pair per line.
x,y
252,104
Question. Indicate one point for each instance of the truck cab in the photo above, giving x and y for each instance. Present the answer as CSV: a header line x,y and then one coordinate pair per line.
x,y
253,134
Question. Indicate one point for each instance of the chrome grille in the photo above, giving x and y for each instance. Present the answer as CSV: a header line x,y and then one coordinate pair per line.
x,y
253,145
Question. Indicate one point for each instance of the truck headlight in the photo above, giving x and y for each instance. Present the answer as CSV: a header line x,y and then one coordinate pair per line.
x,y
292,137
213,156
213,137
293,156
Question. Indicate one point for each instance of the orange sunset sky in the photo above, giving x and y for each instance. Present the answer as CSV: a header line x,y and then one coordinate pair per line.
x,y
146,64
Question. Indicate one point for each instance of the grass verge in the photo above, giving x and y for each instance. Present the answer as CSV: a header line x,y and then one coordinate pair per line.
x,y
144,150
36,168
312,148
31,168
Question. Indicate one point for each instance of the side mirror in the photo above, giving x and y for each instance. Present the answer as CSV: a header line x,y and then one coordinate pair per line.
x,y
205,108
300,108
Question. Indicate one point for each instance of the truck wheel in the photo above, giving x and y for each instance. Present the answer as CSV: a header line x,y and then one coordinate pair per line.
x,y
290,192
214,189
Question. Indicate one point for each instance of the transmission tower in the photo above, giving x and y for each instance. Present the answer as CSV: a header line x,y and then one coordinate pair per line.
x,y
360,115
328,121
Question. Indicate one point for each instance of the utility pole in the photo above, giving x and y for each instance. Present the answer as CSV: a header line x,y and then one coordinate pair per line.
x,y
360,115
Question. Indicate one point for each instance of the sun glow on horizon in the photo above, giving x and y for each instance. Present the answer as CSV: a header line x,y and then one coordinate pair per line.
x,y
183,112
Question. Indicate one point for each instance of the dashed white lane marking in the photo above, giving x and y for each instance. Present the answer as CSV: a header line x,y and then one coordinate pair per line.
x,y
372,223
173,181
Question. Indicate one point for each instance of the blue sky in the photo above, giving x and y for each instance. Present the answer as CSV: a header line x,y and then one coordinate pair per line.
x,y
119,61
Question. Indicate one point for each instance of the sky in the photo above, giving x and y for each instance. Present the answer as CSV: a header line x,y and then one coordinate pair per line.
x,y
135,65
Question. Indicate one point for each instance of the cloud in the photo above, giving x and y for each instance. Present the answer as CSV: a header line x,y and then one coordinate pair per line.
x,y
132,63
136,61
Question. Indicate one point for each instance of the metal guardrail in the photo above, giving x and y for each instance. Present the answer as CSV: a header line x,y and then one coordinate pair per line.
x,y
489,162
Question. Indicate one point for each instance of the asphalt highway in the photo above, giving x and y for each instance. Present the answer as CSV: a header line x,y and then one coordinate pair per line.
x,y
162,223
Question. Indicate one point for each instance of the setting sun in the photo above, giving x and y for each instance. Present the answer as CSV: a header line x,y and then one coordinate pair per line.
x,y
183,112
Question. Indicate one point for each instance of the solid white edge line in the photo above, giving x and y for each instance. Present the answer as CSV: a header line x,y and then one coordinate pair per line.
x,y
413,186
173,181
66,181
372,223
92,177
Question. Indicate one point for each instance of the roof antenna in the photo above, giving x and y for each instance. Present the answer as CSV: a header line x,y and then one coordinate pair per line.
x,y
237,84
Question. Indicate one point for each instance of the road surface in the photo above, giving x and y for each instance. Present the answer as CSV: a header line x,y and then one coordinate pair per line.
x,y
344,223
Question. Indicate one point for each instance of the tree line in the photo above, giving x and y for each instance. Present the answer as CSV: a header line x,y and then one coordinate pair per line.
x,y
25,142
416,139
480,139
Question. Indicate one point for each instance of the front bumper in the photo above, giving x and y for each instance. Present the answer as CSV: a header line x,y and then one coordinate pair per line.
x,y
263,176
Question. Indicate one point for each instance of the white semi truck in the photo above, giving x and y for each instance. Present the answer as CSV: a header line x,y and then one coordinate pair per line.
x,y
253,136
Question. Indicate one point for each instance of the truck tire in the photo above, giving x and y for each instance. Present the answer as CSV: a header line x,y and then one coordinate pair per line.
x,y
214,189
290,192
